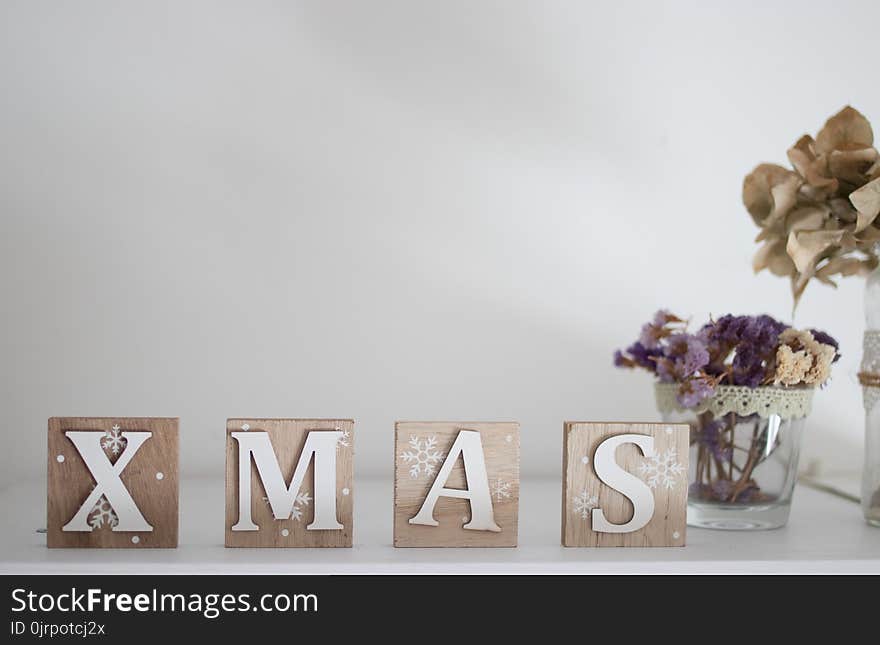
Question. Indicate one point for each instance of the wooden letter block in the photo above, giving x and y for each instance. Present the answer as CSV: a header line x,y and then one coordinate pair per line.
x,y
624,484
289,482
112,482
456,484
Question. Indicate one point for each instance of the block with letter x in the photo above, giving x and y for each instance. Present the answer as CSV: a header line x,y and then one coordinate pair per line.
x,y
112,482
289,482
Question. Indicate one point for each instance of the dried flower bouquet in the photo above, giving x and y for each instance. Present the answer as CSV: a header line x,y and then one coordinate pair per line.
x,y
730,374
819,220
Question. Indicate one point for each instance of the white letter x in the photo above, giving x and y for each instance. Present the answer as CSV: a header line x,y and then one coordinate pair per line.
x,y
107,482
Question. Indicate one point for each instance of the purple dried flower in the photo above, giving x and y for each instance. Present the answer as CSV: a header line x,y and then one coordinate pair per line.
x,y
650,335
710,436
751,341
694,391
637,355
750,493
722,488
688,353
663,317
699,491
826,339
644,356
733,350
666,370
749,365
653,332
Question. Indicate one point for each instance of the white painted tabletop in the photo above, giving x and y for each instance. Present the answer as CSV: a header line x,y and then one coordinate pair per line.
x,y
826,534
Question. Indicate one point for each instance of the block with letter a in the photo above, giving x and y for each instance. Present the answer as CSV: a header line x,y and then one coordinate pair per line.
x,y
456,484
624,484
112,482
289,482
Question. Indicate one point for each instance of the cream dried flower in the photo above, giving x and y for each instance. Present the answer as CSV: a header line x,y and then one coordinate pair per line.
x,y
791,366
820,372
802,359
820,219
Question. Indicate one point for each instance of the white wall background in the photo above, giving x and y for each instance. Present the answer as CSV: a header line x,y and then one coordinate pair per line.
x,y
385,210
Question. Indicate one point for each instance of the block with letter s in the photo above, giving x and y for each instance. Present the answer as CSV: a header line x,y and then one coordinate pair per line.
x,y
624,484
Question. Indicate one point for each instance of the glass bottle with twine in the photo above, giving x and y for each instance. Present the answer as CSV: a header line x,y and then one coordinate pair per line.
x,y
869,377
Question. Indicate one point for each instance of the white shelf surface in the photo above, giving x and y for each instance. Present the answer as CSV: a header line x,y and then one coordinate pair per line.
x,y
826,534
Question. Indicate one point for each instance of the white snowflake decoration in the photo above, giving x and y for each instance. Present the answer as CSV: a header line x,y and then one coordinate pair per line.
x,y
500,490
302,499
344,440
114,441
584,503
422,456
102,514
661,469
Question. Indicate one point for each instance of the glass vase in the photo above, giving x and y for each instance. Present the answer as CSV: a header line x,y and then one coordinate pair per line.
x,y
744,449
870,378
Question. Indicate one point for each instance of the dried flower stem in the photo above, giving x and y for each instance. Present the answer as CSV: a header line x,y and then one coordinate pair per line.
x,y
718,476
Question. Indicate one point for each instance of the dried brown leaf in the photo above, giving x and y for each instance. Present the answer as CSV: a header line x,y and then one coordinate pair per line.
x,y
844,267
806,248
812,168
825,280
808,218
867,202
808,193
851,164
773,256
769,192
842,209
868,238
799,283
846,127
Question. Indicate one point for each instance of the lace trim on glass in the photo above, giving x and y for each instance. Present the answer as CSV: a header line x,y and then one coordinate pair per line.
x,y
787,403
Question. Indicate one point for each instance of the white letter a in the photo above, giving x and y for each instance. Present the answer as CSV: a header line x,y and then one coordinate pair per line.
x,y
469,445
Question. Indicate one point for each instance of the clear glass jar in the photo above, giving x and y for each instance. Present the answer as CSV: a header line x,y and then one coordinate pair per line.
x,y
871,393
742,466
